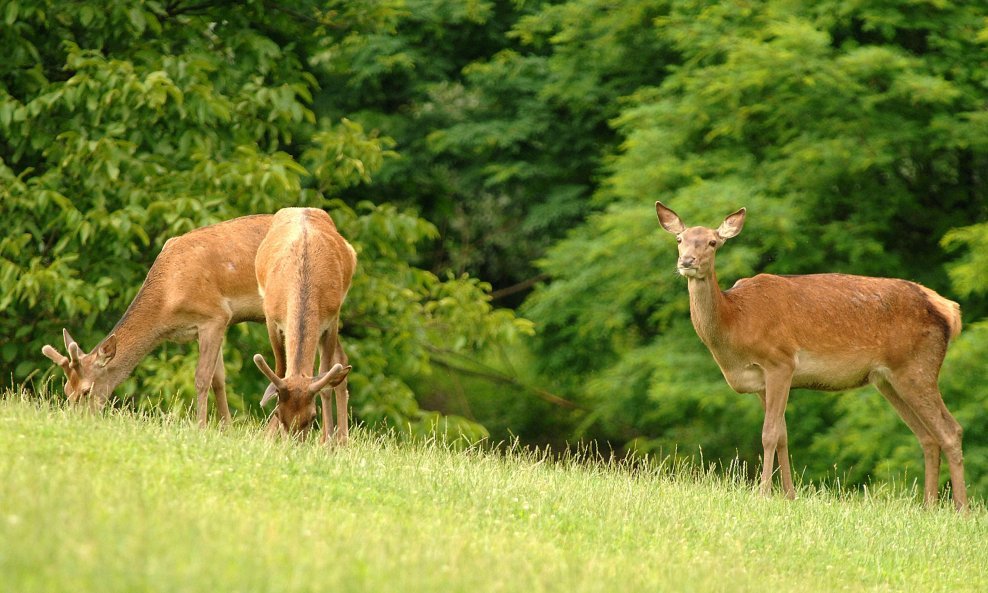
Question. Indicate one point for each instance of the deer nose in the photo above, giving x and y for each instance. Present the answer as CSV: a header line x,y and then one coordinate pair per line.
x,y
687,262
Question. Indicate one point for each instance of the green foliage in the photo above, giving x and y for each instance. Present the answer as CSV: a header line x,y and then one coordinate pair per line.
x,y
967,271
123,126
500,135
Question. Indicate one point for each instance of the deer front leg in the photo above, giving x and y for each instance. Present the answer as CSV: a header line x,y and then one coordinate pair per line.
x,y
210,348
219,390
328,353
326,347
342,396
278,347
782,453
328,426
774,435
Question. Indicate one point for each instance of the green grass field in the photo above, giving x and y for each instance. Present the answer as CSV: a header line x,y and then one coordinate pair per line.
x,y
118,502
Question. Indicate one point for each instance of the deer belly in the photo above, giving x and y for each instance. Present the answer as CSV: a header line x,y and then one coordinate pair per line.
x,y
830,373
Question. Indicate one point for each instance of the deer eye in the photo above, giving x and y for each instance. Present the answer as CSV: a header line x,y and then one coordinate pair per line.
x,y
679,239
713,243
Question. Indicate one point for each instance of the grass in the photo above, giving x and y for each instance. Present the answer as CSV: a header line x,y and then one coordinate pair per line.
x,y
120,502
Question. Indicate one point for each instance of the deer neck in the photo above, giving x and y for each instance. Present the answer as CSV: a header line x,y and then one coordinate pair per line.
x,y
301,341
137,333
707,305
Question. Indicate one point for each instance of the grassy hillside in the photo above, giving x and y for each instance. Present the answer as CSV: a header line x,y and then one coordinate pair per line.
x,y
124,503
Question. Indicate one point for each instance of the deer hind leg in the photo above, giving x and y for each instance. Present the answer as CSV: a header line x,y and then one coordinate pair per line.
x,y
210,351
918,390
955,455
775,439
929,443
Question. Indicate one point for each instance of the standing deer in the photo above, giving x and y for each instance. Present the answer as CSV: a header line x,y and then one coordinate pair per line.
x,y
200,283
829,332
304,268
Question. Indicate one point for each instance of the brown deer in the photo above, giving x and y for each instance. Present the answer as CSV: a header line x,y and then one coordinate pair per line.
x,y
200,283
829,332
304,268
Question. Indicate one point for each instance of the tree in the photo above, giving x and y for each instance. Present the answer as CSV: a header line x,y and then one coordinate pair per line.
x,y
500,119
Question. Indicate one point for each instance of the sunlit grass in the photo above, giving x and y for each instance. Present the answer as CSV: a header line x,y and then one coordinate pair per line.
x,y
121,502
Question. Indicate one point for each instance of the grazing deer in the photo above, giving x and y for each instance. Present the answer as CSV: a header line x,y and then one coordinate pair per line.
x,y
829,332
304,268
200,283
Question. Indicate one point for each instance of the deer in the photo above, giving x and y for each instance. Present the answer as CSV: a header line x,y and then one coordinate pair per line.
x,y
304,269
201,283
828,332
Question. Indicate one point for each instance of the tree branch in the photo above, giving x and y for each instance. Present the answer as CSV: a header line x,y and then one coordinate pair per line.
x,y
515,288
174,8
302,16
490,374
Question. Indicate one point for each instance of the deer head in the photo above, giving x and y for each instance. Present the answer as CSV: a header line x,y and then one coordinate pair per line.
x,y
297,395
86,377
697,245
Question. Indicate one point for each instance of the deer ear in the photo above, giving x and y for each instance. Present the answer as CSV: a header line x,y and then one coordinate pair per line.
x,y
67,338
269,394
668,219
106,351
332,378
732,225
55,356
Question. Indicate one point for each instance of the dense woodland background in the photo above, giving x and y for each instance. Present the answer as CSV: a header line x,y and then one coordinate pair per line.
x,y
496,164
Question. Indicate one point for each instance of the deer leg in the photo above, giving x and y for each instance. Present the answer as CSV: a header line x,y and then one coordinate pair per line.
x,y
929,443
782,453
331,353
210,348
953,433
326,347
767,460
342,395
918,389
328,426
219,390
774,436
949,433
278,346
